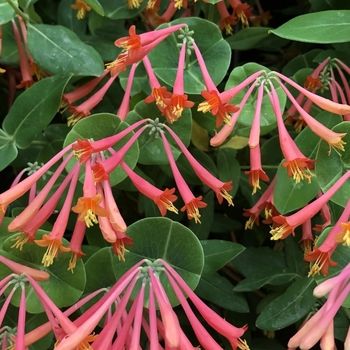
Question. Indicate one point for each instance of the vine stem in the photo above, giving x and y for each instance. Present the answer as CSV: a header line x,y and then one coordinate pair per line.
x,y
18,11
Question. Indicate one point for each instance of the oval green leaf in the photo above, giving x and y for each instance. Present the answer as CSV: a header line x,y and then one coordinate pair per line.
x,y
215,51
289,307
329,168
246,38
34,109
58,50
7,13
118,9
324,27
153,238
97,127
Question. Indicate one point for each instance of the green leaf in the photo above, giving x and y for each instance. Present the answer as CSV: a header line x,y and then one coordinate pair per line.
x,y
67,17
218,253
265,276
97,127
119,9
63,287
151,146
34,109
289,307
329,168
294,256
215,51
96,6
58,50
219,290
325,27
267,115
322,5
246,38
6,11
8,150
9,52
153,238
287,193
228,168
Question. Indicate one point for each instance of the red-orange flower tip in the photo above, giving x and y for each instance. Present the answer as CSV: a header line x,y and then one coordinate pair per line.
x,y
321,262
131,43
312,83
53,246
82,8
283,230
192,209
165,201
299,169
83,150
88,208
344,235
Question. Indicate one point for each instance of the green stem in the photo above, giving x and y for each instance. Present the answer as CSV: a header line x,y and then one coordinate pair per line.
x,y
18,11
211,13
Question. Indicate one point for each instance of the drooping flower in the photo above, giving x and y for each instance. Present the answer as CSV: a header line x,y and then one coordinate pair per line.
x,y
82,8
226,20
321,326
242,10
135,46
287,224
220,188
192,204
176,104
163,199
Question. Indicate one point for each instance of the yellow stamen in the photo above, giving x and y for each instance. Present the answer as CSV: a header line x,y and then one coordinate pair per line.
x,y
249,223
278,232
299,173
344,235
90,218
227,196
20,241
337,145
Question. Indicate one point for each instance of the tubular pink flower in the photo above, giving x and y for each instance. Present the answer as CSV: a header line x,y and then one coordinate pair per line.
x,y
53,241
169,318
17,268
178,100
27,80
163,199
256,173
254,136
317,332
229,331
326,216
226,130
321,256
191,203
258,207
135,47
287,224
321,102
334,139
75,244
83,110
89,325
22,187
220,188
325,287
226,20
125,105
21,322
307,238
298,166
112,162
30,211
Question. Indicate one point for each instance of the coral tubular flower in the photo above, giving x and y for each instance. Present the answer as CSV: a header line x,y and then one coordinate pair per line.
x,y
220,188
298,166
83,110
256,173
287,224
82,8
242,10
226,20
191,203
321,102
344,235
163,199
178,101
89,205
334,139
75,244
